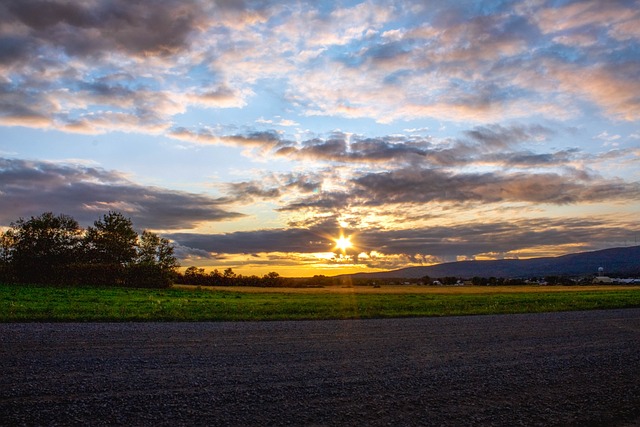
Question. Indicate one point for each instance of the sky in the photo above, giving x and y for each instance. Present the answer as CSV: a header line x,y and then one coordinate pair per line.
x,y
253,134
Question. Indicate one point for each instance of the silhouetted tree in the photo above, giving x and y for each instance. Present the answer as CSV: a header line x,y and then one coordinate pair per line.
x,y
449,280
54,249
228,276
215,278
43,247
272,279
6,245
319,280
154,264
193,276
112,240
155,250
109,249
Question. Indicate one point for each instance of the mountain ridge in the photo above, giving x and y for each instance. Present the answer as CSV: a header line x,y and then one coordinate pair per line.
x,y
614,261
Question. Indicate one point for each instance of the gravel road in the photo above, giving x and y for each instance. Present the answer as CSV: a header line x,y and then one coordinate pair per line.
x,y
580,368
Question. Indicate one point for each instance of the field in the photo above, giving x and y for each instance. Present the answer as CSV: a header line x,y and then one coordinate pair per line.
x,y
181,303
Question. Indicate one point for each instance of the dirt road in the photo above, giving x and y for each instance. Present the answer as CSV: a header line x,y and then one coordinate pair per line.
x,y
580,368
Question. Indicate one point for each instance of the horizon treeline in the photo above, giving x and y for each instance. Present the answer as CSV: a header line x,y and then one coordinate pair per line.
x,y
198,277
54,250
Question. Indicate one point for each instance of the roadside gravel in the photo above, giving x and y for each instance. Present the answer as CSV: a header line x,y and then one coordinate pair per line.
x,y
577,368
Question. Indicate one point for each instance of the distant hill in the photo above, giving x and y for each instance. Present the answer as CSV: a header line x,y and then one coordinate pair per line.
x,y
615,261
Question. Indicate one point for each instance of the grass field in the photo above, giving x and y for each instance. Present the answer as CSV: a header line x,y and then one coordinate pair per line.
x,y
416,289
83,304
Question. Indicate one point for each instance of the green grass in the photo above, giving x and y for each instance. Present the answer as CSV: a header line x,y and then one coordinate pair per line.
x,y
83,304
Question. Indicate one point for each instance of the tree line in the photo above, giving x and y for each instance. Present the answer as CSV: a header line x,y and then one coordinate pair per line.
x,y
54,249
198,277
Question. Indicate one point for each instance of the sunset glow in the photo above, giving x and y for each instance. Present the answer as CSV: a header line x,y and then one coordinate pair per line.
x,y
251,133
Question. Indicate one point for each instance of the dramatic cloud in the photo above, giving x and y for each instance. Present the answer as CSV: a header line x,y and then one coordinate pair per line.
x,y
415,170
387,62
99,28
381,248
423,186
28,188
493,143
414,123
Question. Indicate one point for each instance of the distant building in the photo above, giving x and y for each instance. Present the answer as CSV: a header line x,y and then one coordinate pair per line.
x,y
601,278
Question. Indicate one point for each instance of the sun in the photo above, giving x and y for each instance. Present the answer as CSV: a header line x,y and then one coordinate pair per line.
x,y
343,243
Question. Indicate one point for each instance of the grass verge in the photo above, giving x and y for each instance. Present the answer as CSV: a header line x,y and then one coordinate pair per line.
x,y
85,304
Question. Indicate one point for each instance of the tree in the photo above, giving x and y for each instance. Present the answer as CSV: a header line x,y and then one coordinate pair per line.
x,y
156,250
6,244
6,248
43,247
319,280
54,249
112,240
228,276
272,279
155,263
194,276
109,249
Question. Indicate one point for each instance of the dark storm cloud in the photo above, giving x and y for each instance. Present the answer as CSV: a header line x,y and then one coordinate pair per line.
x,y
28,188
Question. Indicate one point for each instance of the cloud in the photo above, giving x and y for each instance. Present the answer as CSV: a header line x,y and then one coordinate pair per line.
x,y
221,96
104,66
28,188
484,144
263,142
340,26
102,27
388,248
608,139
416,170
421,186
484,70
272,240
60,61
611,87
248,191
358,149
590,14
449,241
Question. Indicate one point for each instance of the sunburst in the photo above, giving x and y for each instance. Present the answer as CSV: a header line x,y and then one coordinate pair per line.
x,y
343,243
